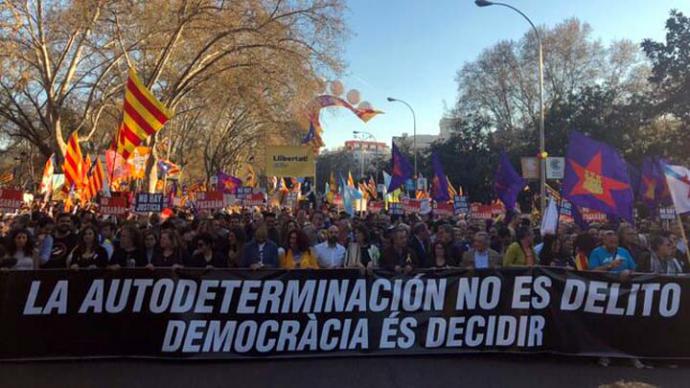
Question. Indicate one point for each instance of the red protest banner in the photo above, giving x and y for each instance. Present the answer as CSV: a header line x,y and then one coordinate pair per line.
x,y
209,200
10,200
114,205
256,199
444,209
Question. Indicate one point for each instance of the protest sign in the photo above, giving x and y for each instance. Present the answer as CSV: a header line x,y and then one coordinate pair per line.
x,y
149,202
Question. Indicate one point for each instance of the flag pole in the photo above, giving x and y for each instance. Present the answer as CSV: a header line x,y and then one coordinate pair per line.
x,y
685,236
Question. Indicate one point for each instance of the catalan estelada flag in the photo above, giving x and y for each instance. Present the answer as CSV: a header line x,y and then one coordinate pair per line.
x,y
47,178
73,166
95,180
142,117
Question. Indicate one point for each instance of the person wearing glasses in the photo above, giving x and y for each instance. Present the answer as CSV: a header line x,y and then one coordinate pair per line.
x,y
205,256
662,261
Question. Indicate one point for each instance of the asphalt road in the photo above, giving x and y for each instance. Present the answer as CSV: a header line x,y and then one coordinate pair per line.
x,y
376,372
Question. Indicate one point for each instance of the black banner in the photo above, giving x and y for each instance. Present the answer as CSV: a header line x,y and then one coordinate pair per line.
x,y
188,313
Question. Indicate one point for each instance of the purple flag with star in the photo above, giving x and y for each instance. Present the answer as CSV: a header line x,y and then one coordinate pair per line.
x,y
508,183
596,177
439,186
401,170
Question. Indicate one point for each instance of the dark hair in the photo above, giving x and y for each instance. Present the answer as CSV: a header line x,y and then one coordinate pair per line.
x,y
206,238
62,215
92,228
12,247
656,242
503,232
522,232
149,232
302,240
134,235
584,242
365,232
548,253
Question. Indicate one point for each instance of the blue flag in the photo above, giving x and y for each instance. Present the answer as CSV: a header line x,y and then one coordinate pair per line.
x,y
596,177
508,182
401,169
439,185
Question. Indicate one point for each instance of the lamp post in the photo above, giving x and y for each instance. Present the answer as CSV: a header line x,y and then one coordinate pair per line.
x,y
363,135
542,146
414,133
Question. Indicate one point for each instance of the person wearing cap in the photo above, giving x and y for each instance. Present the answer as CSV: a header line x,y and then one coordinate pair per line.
x,y
610,256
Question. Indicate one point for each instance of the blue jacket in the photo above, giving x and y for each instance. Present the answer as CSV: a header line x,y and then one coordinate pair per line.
x,y
251,254
601,256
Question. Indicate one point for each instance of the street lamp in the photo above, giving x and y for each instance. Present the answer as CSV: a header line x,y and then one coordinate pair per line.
x,y
414,132
542,150
364,135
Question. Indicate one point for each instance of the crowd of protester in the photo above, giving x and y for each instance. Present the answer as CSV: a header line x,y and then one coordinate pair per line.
x,y
328,240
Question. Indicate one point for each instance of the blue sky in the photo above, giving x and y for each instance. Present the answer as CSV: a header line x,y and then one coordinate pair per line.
x,y
412,49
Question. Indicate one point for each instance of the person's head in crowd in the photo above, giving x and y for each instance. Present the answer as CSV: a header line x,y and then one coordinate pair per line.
x,y
458,234
297,241
64,223
462,225
524,235
236,237
593,230
399,238
444,234
291,225
46,225
550,250
584,244
301,217
333,233
107,230
662,247
480,241
130,237
19,240
261,234
235,221
170,241
420,231
493,232
154,219
567,245
204,243
270,220
609,240
257,218
322,236
188,234
87,218
318,220
150,240
627,236
88,237
505,235
438,250
362,235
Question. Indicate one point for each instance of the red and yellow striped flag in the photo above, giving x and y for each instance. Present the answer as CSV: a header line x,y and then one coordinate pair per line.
x,y
73,165
143,116
95,182
451,190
